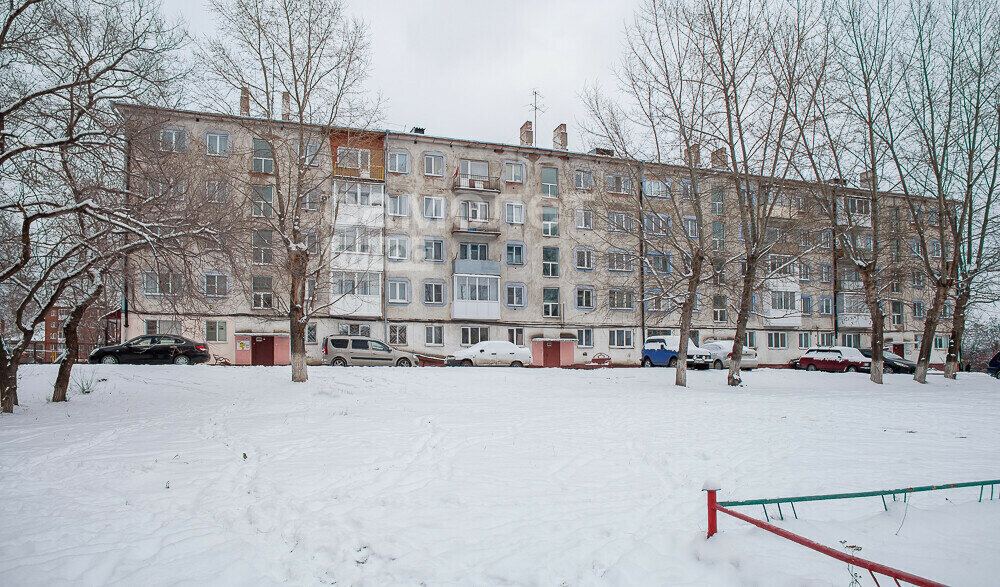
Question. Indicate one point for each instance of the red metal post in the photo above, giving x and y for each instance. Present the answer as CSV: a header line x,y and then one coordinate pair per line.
x,y
713,506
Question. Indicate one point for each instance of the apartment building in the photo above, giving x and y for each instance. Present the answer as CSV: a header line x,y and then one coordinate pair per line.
x,y
438,243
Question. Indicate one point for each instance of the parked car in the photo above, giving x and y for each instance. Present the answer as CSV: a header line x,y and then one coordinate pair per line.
x,y
722,355
152,349
994,366
343,351
893,363
834,358
491,353
661,351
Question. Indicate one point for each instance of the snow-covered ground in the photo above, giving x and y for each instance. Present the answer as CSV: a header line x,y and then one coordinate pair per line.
x,y
369,476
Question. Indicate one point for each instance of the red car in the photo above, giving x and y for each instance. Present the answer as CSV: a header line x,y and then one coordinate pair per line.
x,y
839,359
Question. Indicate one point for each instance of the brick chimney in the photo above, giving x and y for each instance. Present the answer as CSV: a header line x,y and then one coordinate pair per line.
x,y
720,159
692,156
527,136
286,106
244,102
560,139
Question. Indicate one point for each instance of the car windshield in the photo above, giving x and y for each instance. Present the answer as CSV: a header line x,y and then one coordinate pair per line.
x,y
893,356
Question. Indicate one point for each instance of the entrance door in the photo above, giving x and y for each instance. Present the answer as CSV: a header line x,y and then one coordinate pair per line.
x,y
898,349
262,350
550,354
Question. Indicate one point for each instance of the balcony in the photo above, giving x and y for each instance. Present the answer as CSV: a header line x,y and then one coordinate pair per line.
x,y
486,228
369,172
479,184
475,267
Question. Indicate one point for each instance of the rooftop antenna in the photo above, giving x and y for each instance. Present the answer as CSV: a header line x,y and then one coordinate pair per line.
x,y
536,108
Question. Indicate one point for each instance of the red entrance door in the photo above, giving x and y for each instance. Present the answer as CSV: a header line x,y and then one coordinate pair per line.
x,y
262,350
550,354
898,349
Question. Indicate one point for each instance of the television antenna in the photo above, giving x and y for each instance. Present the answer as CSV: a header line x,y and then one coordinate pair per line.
x,y
536,107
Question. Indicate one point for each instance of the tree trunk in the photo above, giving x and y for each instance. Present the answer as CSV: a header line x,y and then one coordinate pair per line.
x,y
742,317
687,311
298,262
878,326
957,332
72,345
8,381
930,325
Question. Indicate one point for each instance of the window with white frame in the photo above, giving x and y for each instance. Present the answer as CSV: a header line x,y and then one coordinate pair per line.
x,y
783,300
433,250
919,310
173,140
311,337
659,263
398,247
826,273
805,340
720,310
826,305
852,339
514,295
513,172
397,334
354,329
353,158
947,311
163,327
718,200
585,219
718,235
433,207
474,334
434,335
751,339
311,199
475,288
585,259
917,278
399,291
550,221
617,183
550,302
896,312
550,182
619,261
805,271
619,222
690,226
514,212
777,340
656,224
263,200
859,206
310,291
434,292
215,331
354,239
398,161
826,339
656,188
515,336
358,283
585,338
263,159
434,164
475,211
217,144
216,284
310,237
583,179
621,299
550,261
216,191
161,283
515,253
262,288
939,342
584,297
362,194
473,251
807,305
476,170
261,249
620,338
399,205
309,153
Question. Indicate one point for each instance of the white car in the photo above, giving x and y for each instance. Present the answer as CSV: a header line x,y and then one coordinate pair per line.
x,y
722,354
491,353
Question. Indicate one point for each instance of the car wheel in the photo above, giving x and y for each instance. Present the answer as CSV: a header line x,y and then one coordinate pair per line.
x,y
887,370
404,362
810,367
338,362
851,369
109,360
466,362
182,360
997,373
672,362
717,365
517,364
646,362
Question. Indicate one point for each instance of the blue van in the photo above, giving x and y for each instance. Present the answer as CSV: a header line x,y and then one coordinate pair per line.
x,y
661,351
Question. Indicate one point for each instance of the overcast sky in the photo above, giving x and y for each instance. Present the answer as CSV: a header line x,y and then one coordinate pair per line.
x,y
465,69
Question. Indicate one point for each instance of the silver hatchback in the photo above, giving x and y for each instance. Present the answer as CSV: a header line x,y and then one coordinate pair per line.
x,y
341,351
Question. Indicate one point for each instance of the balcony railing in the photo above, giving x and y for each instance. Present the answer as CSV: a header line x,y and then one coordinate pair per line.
x,y
489,227
476,183
372,172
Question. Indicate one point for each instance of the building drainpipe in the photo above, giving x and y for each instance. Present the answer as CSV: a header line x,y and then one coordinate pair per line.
x,y
836,273
642,258
385,261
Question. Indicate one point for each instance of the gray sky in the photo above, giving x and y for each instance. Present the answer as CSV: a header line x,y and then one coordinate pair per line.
x,y
466,69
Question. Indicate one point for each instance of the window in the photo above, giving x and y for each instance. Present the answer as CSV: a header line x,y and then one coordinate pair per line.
x,y
826,239
311,199
751,340
398,247
656,224
851,340
550,261
719,309
310,290
477,289
514,295
354,239
215,331
311,237
718,201
659,263
433,292
163,327
363,194
308,154
619,221
583,179
919,310
434,250
805,340
263,160
216,191
399,291
217,144
826,273
216,285
515,253
896,311
550,221
433,207
263,198
550,302
585,259
621,299
777,340
353,158
805,271
946,310
584,298
398,161
616,183
479,170
433,164
656,188
475,211
783,300
472,251
262,289
354,283
690,226
513,172
261,249
686,190
173,140
585,219
162,283
620,338
353,330
718,235
858,206
917,278
514,212
515,336
895,287
434,335
935,248
585,338
619,261
550,182
399,205
826,339
807,305
311,334
939,343
397,334
826,305
474,334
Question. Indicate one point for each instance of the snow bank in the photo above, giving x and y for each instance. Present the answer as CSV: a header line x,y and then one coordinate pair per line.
x,y
209,475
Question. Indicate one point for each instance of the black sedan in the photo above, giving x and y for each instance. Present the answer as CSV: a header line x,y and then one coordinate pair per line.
x,y
152,349
893,363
